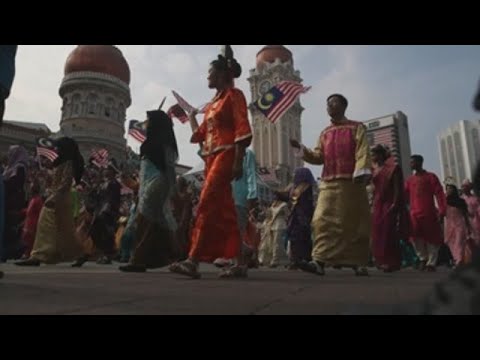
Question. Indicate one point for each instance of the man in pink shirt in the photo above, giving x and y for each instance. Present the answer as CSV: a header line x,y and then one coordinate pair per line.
x,y
425,232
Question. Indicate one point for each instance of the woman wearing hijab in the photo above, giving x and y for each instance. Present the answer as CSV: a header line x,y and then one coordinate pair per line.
x,y
389,211
155,225
224,135
473,203
104,224
457,227
299,222
55,240
272,248
14,178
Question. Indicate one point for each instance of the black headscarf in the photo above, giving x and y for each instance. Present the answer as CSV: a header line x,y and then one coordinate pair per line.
x,y
455,200
381,150
68,150
227,62
160,134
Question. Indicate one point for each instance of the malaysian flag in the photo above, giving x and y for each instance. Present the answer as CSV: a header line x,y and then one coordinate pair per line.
x,y
176,111
186,106
46,148
136,131
100,158
276,102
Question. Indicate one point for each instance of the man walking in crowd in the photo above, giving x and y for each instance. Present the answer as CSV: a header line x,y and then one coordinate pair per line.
x,y
421,189
341,223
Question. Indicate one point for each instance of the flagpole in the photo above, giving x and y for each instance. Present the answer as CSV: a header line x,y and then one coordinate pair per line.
x,y
163,102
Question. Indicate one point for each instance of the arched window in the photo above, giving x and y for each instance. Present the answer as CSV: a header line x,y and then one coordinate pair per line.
x,y
92,104
109,104
121,112
76,99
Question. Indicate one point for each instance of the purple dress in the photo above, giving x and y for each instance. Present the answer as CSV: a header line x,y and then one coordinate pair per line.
x,y
299,231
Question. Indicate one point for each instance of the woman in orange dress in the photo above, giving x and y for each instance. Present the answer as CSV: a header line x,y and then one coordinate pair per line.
x,y
224,135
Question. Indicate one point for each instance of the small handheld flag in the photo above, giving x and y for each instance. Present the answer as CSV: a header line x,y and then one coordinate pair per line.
x,y
46,148
176,111
186,106
100,158
136,131
279,99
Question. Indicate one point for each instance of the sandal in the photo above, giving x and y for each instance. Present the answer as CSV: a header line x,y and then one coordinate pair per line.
x,y
80,261
292,267
361,271
186,268
235,272
312,267
104,260
28,262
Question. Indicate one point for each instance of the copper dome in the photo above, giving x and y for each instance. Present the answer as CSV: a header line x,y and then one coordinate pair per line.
x,y
105,59
272,52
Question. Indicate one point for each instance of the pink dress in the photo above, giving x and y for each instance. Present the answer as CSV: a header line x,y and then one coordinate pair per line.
x,y
389,227
473,203
456,235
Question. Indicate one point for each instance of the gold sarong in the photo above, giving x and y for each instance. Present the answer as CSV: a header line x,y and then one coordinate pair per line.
x,y
341,224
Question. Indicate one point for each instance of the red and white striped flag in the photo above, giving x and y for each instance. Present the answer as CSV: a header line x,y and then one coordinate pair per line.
x,y
186,106
100,158
176,111
279,99
136,131
47,153
46,149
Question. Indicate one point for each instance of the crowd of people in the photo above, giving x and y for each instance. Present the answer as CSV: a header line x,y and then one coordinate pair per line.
x,y
147,217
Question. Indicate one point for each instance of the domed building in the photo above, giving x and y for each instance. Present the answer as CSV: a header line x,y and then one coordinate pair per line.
x,y
274,63
270,53
96,94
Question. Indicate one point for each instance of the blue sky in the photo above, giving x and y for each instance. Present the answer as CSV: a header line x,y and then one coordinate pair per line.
x,y
433,85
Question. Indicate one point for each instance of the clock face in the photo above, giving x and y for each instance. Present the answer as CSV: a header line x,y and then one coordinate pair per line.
x,y
265,86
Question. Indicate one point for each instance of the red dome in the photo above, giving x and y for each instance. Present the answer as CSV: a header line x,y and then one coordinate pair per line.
x,y
272,52
105,59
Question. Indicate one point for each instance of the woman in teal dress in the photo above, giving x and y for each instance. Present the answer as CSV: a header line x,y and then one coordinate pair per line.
x,y
155,224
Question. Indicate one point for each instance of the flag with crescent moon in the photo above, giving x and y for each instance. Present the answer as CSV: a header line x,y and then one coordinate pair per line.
x,y
279,99
46,148
136,130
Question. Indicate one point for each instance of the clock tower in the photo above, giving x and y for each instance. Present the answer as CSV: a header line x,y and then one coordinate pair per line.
x,y
271,141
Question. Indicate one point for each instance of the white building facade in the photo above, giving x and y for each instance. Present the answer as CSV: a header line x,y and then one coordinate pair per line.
x,y
459,148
